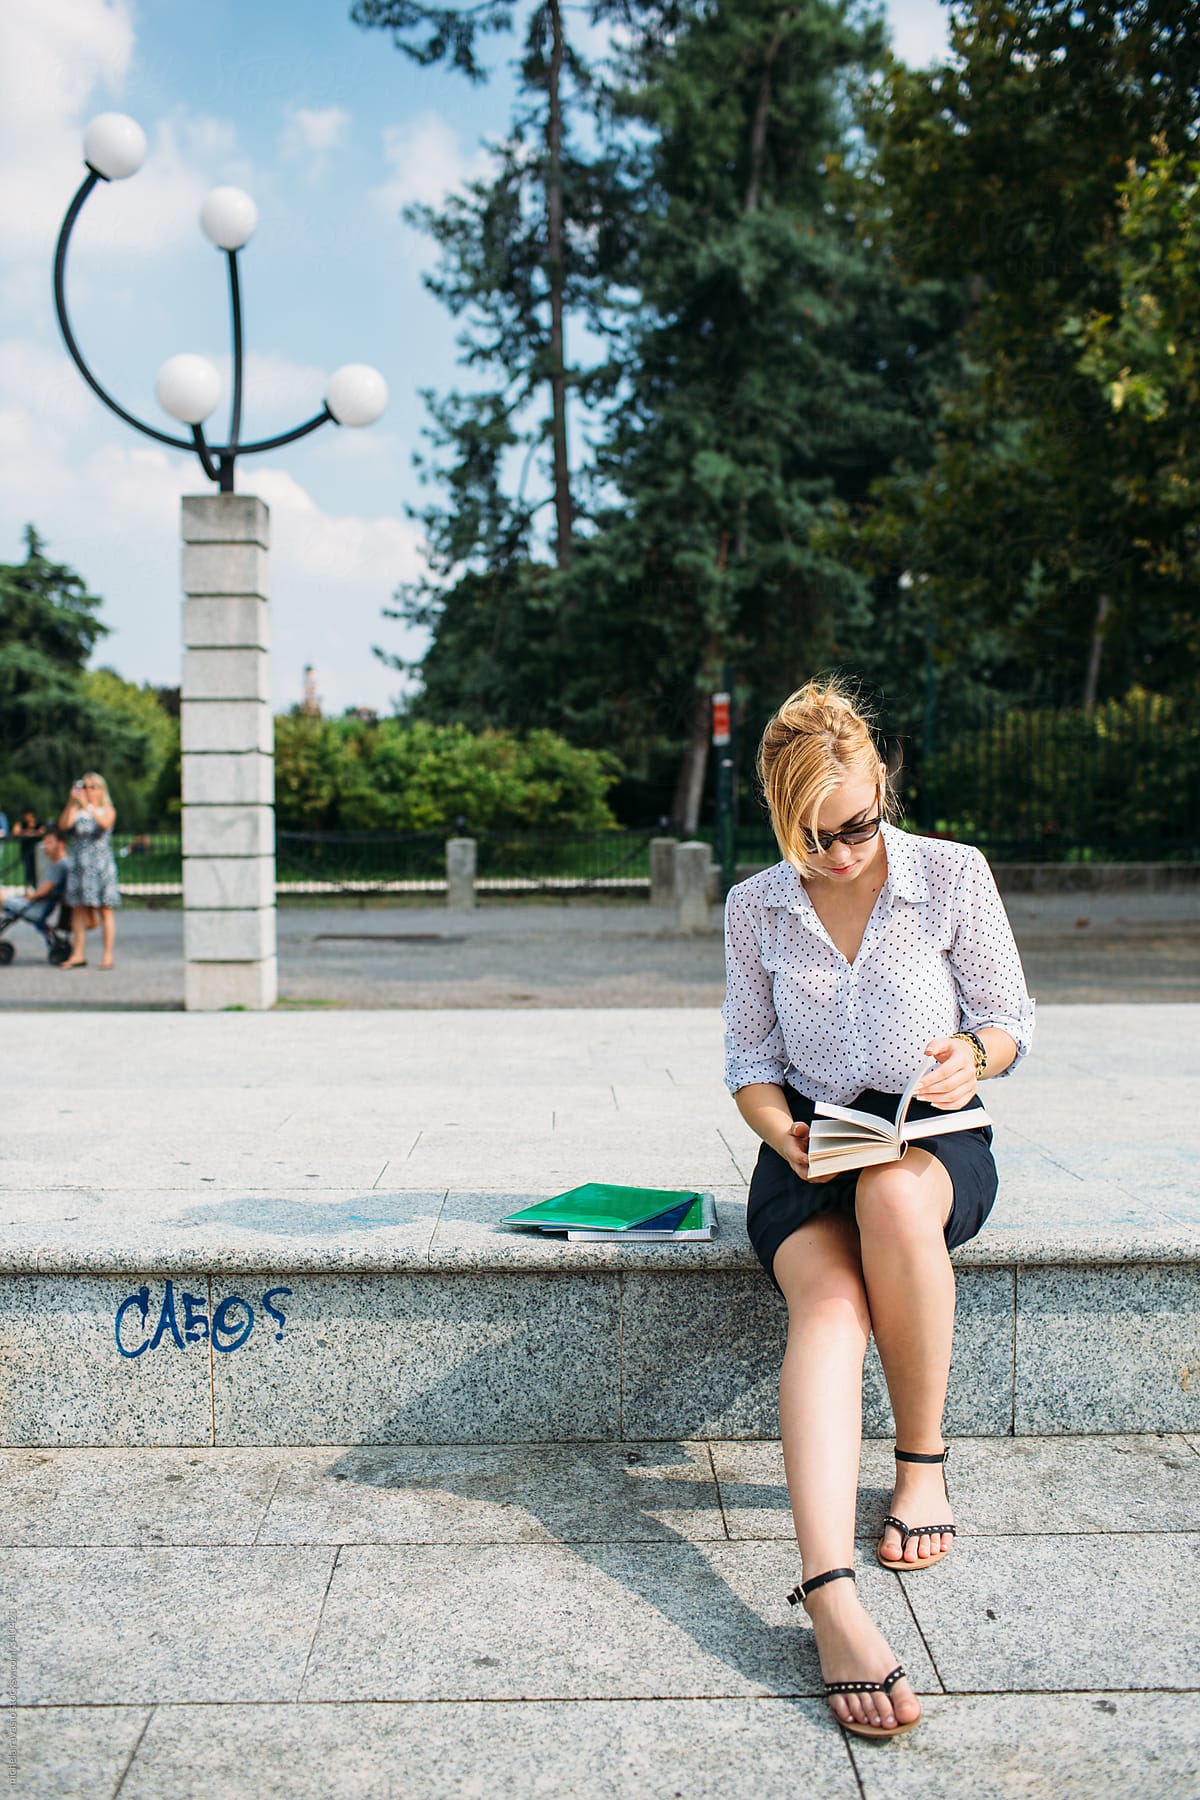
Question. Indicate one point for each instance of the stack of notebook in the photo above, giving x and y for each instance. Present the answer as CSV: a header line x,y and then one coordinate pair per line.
x,y
599,1212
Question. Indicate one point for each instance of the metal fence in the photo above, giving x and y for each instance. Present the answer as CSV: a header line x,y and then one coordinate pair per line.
x,y
1038,784
506,861
144,860
1059,785
1035,784
150,864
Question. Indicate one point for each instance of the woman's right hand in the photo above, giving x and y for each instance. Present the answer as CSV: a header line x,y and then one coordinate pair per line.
x,y
794,1150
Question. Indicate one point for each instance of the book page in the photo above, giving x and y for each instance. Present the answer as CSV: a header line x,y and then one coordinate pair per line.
x,y
928,1064
862,1155
972,1118
870,1123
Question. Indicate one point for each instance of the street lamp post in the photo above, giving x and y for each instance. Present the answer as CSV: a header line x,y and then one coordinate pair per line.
x,y
227,727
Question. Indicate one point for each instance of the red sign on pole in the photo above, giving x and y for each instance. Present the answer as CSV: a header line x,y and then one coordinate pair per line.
x,y
720,719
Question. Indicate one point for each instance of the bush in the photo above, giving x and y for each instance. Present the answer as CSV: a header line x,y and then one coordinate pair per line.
x,y
401,775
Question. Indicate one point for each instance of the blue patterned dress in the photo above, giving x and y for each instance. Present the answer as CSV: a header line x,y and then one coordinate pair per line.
x,y
92,870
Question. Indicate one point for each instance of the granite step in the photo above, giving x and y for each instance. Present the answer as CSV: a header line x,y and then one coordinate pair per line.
x,y
409,1318
596,1621
282,1230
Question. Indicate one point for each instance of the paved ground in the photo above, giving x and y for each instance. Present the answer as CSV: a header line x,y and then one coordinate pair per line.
x,y
572,1622
601,1621
260,1134
1084,948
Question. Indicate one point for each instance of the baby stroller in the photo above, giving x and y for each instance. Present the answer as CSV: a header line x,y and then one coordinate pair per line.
x,y
56,936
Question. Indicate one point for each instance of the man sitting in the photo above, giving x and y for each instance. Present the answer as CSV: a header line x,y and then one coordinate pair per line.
x,y
39,904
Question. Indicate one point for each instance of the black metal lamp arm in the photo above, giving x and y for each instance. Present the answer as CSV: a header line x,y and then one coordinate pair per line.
x,y
217,460
64,324
214,471
235,313
289,437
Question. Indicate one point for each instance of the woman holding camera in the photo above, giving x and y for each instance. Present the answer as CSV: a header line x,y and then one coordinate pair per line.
x,y
861,954
92,887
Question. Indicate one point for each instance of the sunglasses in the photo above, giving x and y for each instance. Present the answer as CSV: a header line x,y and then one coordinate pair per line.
x,y
852,834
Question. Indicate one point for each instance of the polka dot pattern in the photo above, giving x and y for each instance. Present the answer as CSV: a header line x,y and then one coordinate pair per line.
x,y
938,956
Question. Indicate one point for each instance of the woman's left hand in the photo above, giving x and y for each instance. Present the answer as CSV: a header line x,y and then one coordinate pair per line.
x,y
952,1084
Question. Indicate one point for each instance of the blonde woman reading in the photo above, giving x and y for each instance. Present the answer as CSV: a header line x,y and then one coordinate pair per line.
x,y
861,953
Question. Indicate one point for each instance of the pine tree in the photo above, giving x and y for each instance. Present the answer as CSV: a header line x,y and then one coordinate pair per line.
x,y
522,251
757,388
48,629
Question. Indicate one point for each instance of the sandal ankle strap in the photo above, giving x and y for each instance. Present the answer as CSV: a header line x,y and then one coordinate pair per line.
x,y
807,1587
915,1457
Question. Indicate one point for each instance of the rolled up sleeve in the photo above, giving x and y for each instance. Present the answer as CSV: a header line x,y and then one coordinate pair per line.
x,y
988,977
754,1046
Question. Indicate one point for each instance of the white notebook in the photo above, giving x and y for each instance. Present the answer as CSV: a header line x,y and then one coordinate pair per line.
x,y
841,1137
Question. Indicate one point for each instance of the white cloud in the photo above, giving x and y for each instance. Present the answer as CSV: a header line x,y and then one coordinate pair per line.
x,y
53,53
54,56
42,383
278,393
426,163
335,552
313,133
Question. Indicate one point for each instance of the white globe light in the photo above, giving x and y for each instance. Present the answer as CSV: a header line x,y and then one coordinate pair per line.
x,y
188,387
356,395
114,145
228,217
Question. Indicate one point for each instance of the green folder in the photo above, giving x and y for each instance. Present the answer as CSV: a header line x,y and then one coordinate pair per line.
x,y
599,1206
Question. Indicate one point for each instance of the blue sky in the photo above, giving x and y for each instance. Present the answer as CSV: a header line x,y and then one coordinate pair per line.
x,y
332,131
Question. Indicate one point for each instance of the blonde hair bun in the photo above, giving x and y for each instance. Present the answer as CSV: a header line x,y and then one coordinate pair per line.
x,y
820,737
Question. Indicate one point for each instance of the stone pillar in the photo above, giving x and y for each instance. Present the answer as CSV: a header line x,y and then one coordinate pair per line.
x,y
460,874
662,871
693,908
228,757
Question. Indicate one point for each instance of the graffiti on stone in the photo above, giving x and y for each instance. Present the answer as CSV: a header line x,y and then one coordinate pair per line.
x,y
183,1319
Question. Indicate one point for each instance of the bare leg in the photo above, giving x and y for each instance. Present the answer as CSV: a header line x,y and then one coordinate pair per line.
x,y
901,1210
78,939
108,926
820,1416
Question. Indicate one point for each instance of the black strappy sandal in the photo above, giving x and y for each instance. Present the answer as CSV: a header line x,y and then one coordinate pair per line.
x,y
912,1531
800,1595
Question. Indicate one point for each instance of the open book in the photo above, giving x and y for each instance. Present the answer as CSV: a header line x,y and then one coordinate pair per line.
x,y
840,1137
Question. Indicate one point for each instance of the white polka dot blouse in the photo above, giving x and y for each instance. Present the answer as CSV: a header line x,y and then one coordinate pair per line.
x,y
938,956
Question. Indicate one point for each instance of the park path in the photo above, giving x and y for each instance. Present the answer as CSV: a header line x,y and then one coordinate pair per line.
x,y
601,1621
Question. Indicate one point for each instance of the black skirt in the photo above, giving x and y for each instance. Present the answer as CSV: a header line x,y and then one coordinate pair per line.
x,y
779,1202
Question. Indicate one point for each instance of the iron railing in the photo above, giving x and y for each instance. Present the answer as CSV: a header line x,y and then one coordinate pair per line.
x,y
389,861
1119,784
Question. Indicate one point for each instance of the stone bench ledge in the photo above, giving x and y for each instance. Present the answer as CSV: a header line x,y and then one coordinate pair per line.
x,y
183,1231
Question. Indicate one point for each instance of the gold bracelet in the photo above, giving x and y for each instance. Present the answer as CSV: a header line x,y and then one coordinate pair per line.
x,y
978,1051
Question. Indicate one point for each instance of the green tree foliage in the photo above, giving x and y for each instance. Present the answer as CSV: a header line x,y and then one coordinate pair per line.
x,y
902,378
764,367
1134,787
1026,533
147,716
1146,359
766,363
52,726
401,775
